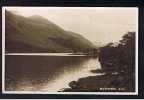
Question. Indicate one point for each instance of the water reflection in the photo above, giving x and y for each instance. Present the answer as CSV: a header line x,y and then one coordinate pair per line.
x,y
46,73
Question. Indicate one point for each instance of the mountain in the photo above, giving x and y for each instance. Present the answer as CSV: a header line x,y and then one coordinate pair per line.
x,y
99,44
37,34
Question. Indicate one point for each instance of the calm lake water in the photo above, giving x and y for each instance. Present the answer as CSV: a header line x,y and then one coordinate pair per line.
x,y
46,72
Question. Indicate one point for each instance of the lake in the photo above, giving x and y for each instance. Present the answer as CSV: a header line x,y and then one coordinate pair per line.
x,y
49,72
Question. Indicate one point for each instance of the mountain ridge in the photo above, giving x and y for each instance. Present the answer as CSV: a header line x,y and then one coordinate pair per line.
x,y
29,34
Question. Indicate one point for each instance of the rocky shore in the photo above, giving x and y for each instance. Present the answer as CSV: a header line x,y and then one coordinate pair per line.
x,y
103,83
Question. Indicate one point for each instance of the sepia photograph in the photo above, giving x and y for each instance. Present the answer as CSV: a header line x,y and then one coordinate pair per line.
x,y
70,50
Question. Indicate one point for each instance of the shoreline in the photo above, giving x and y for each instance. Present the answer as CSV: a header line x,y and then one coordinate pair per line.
x,y
102,83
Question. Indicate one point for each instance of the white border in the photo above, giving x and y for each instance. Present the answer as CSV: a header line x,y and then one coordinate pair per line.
x,y
71,93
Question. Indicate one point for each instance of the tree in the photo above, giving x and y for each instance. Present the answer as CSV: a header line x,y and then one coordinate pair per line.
x,y
119,58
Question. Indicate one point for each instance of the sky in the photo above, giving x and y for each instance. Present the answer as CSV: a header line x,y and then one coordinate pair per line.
x,y
101,25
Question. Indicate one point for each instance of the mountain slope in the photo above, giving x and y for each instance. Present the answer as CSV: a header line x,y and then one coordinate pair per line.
x,y
37,34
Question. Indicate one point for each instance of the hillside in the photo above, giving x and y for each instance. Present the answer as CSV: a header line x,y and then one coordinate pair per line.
x,y
37,34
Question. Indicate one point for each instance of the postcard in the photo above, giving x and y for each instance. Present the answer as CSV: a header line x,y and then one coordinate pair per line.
x,y
70,50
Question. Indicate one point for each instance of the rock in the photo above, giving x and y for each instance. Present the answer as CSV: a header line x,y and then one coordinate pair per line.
x,y
73,84
97,71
